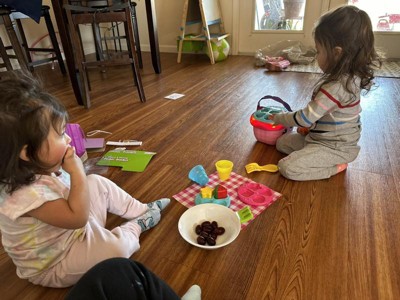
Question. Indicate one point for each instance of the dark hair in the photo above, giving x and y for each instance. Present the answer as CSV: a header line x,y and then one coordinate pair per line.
x,y
350,28
26,114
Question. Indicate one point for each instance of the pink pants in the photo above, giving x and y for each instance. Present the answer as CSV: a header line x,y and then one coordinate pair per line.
x,y
98,243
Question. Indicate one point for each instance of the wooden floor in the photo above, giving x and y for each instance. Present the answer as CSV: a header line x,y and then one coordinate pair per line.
x,y
327,239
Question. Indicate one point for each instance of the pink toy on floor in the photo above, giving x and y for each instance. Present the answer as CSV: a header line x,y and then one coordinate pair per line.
x,y
276,64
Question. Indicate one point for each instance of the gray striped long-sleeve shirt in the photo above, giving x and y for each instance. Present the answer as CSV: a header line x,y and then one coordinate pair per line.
x,y
333,114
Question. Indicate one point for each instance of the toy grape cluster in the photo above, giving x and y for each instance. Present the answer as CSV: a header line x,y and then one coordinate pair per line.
x,y
208,232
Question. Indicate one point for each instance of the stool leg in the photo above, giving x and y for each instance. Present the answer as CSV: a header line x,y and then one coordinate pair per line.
x,y
15,42
53,38
4,56
24,43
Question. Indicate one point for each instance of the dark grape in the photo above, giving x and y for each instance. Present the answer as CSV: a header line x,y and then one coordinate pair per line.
x,y
198,229
201,240
211,241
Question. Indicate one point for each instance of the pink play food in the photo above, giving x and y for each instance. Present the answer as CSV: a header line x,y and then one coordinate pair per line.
x,y
255,194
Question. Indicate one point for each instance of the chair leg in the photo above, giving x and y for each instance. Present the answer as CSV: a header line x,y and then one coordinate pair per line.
x,y
116,35
98,44
78,34
97,41
53,38
80,59
133,56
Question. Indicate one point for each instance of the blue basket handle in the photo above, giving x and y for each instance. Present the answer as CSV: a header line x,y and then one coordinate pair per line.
x,y
277,99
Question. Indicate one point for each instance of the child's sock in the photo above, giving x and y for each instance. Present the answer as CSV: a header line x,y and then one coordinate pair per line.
x,y
193,293
341,167
153,215
149,219
160,203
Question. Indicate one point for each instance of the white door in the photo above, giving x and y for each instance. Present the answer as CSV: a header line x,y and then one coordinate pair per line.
x,y
252,30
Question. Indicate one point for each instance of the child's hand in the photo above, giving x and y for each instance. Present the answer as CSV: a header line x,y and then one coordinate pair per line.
x,y
71,161
271,117
303,130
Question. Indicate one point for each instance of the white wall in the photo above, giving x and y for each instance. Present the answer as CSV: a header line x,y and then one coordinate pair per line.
x,y
169,19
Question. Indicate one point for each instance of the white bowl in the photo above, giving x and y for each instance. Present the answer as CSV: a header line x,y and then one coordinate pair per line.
x,y
224,216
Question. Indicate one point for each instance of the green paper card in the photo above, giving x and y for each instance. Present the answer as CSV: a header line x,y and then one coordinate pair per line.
x,y
129,160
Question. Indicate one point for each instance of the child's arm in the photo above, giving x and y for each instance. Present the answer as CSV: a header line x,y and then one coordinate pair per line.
x,y
324,102
71,213
301,130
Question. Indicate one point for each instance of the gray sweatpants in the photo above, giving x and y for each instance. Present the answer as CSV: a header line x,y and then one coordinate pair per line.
x,y
311,160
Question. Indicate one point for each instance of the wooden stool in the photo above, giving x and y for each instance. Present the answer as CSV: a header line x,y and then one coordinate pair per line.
x,y
16,46
95,13
55,50
8,16
116,35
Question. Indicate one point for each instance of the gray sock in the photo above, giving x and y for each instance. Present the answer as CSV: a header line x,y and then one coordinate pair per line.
x,y
160,203
149,219
193,293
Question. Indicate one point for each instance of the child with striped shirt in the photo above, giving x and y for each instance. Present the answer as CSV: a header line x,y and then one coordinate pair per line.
x,y
329,126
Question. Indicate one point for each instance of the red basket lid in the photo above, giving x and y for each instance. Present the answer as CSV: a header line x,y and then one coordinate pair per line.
x,y
260,119
265,124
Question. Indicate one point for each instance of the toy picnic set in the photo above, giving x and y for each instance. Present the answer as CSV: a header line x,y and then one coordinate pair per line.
x,y
221,204
223,199
229,191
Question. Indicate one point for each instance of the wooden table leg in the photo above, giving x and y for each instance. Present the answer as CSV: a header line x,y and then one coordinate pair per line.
x,y
153,36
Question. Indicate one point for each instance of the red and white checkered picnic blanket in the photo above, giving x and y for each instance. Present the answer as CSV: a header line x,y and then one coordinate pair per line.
x,y
187,196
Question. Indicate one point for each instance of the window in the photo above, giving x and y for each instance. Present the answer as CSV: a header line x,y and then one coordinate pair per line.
x,y
279,14
384,14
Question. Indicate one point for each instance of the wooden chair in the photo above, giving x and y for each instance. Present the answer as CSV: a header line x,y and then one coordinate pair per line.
x,y
17,36
95,13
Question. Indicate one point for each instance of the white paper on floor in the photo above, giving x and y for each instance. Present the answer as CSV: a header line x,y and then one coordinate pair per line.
x,y
174,96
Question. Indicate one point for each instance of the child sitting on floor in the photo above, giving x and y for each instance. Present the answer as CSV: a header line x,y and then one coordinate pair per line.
x,y
53,216
329,126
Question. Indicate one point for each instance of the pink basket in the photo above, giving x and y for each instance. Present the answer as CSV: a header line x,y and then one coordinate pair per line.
x,y
264,131
267,136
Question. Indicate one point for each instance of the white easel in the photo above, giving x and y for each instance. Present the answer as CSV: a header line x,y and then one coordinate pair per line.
x,y
207,13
